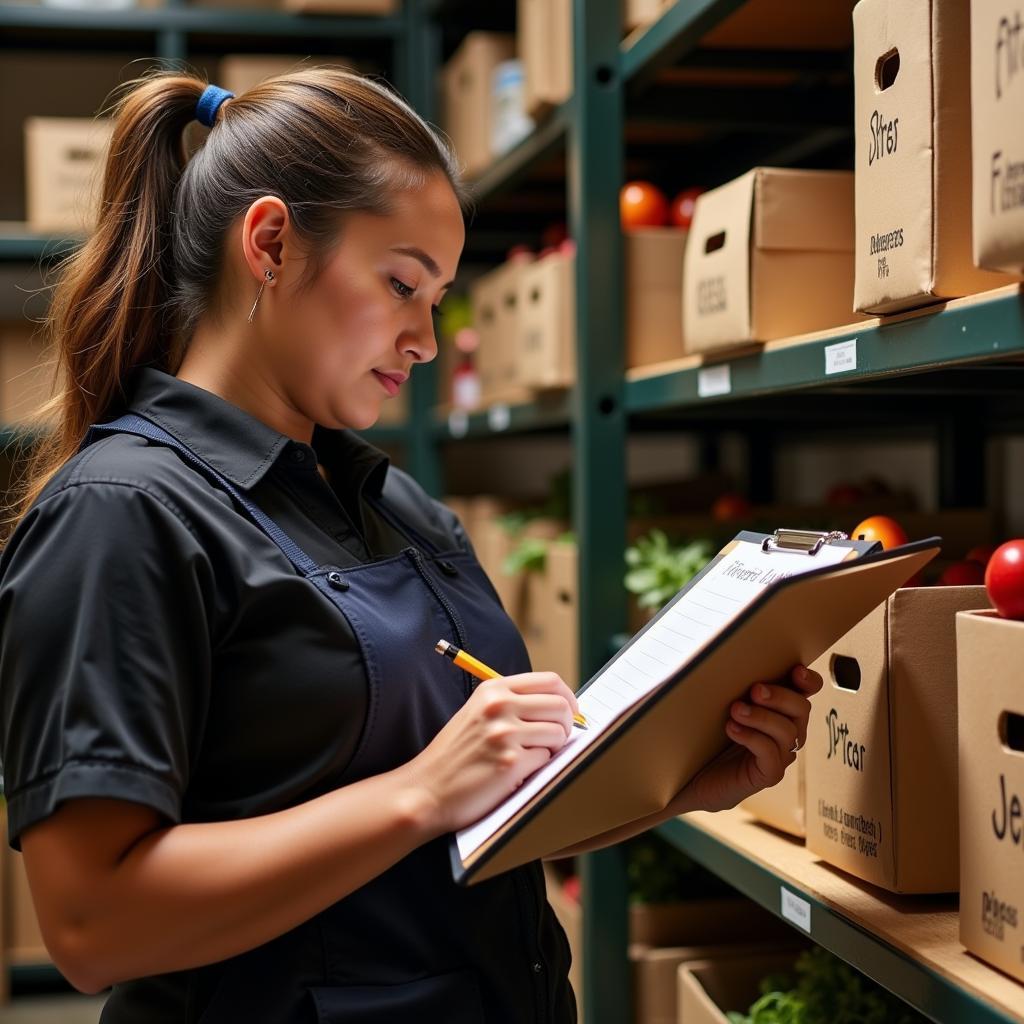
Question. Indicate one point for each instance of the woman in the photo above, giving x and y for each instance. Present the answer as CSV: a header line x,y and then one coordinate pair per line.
x,y
232,758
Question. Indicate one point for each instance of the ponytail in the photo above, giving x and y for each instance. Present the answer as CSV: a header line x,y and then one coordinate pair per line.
x,y
108,311
324,140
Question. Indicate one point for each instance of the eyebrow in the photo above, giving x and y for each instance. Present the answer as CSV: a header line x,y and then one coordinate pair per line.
x,y
418,254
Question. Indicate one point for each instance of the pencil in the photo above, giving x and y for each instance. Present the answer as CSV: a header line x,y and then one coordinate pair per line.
x,y
477,668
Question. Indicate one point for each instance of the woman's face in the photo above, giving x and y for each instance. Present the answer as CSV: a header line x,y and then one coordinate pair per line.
x,y
369,315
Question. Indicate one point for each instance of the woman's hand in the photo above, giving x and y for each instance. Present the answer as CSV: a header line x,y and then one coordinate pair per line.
x,y
766,731
508,728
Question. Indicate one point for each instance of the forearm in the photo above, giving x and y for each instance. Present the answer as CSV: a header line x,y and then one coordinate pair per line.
x,y
193,894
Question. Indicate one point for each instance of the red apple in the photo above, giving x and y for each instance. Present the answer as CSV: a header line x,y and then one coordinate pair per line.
x,y
962,574
682,206
1004,579
729,507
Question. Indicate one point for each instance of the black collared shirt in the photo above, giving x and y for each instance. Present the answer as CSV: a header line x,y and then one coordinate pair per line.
x,y
157,647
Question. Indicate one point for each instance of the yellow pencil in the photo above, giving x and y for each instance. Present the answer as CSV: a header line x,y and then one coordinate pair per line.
x,y
482,671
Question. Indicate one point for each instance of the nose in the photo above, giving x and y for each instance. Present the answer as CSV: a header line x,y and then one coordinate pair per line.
x,y
420,343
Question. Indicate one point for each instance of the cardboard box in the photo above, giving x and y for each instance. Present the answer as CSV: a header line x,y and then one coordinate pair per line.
x,y
654,294
913,162
769,255
64,159
702,922
26,381
544,44
562,612
496,298
783,806
711,989
989,653
547,324
997,134
466,96
880,755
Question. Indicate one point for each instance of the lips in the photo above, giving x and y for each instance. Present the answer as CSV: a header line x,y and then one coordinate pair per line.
x,y
390,381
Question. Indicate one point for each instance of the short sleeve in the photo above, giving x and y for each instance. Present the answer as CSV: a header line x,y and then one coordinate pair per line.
x,y
105,651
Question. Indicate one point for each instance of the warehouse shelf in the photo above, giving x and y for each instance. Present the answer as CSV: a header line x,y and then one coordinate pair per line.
x,y
196,19
19,244
549,412
964,331
543,142
908,944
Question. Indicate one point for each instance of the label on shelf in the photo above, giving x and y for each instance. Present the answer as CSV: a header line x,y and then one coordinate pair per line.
x,y
714,380
841,357
458,423
498,417
796,910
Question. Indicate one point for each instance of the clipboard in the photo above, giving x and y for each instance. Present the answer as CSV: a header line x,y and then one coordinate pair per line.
x,y
647,754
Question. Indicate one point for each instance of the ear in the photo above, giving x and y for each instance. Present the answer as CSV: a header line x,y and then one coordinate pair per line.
x,y
265,233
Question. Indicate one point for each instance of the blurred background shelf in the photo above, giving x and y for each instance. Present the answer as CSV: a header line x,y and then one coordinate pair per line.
x,y
910,945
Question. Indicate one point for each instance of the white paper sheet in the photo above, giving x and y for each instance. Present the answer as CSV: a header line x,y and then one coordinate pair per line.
x,y
657,656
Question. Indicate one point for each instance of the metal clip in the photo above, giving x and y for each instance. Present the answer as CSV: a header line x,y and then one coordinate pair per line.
x,y
807,541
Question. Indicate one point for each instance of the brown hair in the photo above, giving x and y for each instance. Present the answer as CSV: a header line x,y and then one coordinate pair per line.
x,y
324,141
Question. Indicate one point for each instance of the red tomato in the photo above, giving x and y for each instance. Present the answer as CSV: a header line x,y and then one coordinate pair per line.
x,y
642,205
681,210
1004,579
982,554
729,507
962,574
880,528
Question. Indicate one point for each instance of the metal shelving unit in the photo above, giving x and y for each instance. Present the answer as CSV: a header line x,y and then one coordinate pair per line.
x,y
963,348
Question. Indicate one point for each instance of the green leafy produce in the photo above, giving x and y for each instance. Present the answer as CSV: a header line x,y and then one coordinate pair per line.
x,y
658,568
530,555
827,991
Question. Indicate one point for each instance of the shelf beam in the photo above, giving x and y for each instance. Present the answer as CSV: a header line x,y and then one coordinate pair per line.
x,y
920,984
190,19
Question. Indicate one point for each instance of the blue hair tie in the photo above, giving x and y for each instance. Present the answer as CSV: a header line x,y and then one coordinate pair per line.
x,y
209,103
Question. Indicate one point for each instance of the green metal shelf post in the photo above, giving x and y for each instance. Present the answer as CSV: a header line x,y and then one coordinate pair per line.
x,y
595,162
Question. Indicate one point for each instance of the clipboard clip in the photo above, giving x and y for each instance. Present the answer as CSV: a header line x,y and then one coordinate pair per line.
x,y
809,542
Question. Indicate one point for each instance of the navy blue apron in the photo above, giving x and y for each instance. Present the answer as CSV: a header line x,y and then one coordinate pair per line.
x,y
410,945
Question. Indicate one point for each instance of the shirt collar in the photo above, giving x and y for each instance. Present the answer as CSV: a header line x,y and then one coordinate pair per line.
x,y
242,447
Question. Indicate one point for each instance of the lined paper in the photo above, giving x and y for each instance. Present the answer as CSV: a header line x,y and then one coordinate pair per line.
x,y
657,655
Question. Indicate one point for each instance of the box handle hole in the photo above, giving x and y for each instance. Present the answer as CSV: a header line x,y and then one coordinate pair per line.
x,y
845,672
535,295
565,597
1011,731
886,70
715,242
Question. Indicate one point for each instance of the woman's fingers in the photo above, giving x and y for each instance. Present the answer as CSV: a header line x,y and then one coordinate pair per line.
x,y
543,682
546,707
769,761
786,702
551,735
806,681
778,728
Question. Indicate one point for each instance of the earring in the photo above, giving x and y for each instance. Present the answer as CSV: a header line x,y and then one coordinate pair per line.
x,y
268,275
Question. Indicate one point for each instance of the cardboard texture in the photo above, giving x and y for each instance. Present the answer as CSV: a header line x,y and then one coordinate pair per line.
x,y
913,154
561,612
637,767
711,989
546,324
656,974
496,299
654,295
989,653
782,806
880,759
24,941
64,172
769,255
997,133
544,44
643,12
466,96
25,382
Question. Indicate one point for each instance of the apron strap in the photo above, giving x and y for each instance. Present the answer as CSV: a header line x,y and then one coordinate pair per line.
x,y
131,423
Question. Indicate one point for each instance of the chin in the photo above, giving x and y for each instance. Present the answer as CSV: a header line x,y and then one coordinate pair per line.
x,y
362,419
